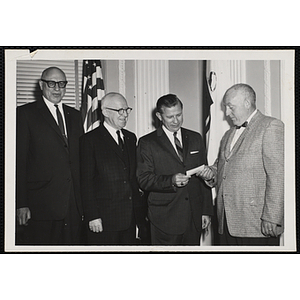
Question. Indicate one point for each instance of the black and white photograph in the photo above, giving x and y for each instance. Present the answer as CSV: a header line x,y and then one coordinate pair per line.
x,y
149,150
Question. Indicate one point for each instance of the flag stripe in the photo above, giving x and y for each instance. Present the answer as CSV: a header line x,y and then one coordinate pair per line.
x,y
207,102
92,93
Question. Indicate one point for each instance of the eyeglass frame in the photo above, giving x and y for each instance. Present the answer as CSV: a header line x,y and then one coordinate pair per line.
x,y
55,83
121,110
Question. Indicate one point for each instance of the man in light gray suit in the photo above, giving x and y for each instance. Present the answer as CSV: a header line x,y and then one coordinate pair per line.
x,y
249,173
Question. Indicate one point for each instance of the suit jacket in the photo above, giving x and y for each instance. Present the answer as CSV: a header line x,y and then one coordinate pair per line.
x,y
169,207
109,187
250,178
47,168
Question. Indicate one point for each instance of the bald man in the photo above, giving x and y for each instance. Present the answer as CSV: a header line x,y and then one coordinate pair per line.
x,y
48,189
249,173
112,203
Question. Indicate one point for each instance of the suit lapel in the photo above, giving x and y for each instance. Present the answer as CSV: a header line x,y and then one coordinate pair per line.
x,y
68,120
166,144
240,140
229,141
46,114
109,140
130,150
185,143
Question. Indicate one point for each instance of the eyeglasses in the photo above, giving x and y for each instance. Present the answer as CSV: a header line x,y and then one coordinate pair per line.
x,y
52,84
121,111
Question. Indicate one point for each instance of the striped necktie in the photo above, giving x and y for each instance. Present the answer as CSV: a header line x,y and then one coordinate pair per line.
x,y
178,146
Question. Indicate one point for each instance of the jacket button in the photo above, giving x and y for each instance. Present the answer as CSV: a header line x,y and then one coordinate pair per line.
x,y
186,198
124,181
224,177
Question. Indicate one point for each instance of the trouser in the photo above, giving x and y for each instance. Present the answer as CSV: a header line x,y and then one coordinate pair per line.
x,y
191,236
122,237
67,231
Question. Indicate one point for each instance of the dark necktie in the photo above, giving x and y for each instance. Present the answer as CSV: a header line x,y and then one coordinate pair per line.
x,y
120,141
61,124
245,124
178,146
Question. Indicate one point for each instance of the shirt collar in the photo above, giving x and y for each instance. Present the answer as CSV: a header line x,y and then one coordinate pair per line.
x,y
170,134
112,130
51,104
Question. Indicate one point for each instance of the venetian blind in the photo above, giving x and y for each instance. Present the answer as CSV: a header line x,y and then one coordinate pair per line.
x,y
29,72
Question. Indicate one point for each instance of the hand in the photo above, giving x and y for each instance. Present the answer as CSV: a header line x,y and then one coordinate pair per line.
x,y
96,225
144,233
206,220
268,228
206,173
180,180
23,215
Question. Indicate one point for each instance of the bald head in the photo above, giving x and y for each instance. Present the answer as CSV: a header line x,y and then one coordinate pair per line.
x,y
239,102
52,71
56,93
110,104
244,90
110,98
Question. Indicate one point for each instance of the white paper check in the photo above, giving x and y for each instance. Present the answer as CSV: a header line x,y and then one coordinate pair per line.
x,y
194,171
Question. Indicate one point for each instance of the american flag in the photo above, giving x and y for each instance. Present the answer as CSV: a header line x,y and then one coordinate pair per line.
x,y
207,102
92,92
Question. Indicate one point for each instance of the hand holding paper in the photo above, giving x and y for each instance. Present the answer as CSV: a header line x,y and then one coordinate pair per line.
x,y
195,170
205,173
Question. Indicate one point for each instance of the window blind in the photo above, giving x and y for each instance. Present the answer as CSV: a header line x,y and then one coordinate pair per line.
x,y
29,73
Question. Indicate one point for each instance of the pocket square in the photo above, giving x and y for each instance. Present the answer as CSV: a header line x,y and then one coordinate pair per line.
x,y
194,152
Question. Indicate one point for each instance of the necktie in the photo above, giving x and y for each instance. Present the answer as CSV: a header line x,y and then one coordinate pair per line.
x,y
120,141
61,124
178,146
245,124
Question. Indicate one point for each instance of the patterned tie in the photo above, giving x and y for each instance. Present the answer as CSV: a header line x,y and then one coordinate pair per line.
x,y
178,146
61,124
120,141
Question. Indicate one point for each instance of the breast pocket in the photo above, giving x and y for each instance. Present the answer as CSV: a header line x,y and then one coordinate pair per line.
x,y
194,158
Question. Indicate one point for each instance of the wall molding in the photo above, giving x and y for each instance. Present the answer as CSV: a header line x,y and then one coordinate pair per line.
x,y
267,87
122,78
151,82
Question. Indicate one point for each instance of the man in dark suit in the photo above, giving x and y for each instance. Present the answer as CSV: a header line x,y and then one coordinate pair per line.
x,y
112,203
179,206
48,187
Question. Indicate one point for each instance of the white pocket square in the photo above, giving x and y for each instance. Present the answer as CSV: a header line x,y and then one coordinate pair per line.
x,y
194,152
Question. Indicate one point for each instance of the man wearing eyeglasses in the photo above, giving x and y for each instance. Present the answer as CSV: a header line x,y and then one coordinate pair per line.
x,y
113,206
48,189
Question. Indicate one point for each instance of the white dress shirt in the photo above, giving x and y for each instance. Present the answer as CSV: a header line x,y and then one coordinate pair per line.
x,y
52,109
170,135
113,132
238,132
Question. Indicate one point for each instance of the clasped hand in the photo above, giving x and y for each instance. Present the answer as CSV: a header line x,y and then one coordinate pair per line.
x,y
180,180
23,215
96,225
269,229
206,173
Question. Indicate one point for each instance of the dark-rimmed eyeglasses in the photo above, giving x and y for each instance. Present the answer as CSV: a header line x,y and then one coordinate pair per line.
x,y
121,111
52,84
